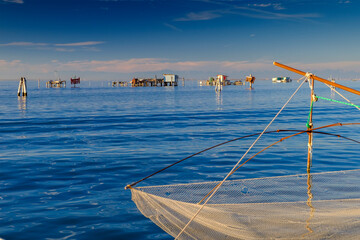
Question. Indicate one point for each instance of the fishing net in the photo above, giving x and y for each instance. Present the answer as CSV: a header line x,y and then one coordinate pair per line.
x,y
305,206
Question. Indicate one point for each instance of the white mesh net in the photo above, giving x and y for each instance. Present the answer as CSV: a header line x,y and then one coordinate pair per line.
x,y
306,206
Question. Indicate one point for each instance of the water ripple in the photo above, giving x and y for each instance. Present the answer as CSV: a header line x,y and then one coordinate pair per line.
x,y
66,154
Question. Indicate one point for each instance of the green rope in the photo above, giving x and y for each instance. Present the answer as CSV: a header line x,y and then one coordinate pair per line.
x,y
308,121
332,100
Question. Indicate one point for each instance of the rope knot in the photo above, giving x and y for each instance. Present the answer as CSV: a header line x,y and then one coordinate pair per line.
x,y
314,98
309,75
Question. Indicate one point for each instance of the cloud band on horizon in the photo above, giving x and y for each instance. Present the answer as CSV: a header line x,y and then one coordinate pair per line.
x,y
137,65
75,44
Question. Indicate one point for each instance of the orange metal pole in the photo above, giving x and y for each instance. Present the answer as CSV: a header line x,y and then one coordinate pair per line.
x,y
318,78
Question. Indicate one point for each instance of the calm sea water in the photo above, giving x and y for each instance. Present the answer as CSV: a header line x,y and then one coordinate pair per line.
x,y
66,154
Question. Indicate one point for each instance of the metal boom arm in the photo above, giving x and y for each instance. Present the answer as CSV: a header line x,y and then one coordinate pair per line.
x,y
318,78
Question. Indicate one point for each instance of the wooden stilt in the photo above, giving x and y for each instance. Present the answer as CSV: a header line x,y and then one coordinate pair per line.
x,y
309,203
22,87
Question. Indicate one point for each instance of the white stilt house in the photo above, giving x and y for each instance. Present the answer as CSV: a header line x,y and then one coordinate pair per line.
x,y
170,79
220,81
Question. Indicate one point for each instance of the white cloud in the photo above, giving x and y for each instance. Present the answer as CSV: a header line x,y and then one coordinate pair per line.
x,y
261,5
59,47
249,10
14,1
64,49
77,44
172,27
23,44
199,16
4,63
276,6
262,14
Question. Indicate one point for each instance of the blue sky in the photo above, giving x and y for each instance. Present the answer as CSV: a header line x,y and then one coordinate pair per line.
x,y
118,39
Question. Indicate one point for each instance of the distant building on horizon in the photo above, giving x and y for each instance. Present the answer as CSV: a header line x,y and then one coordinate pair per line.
x,y
171,79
